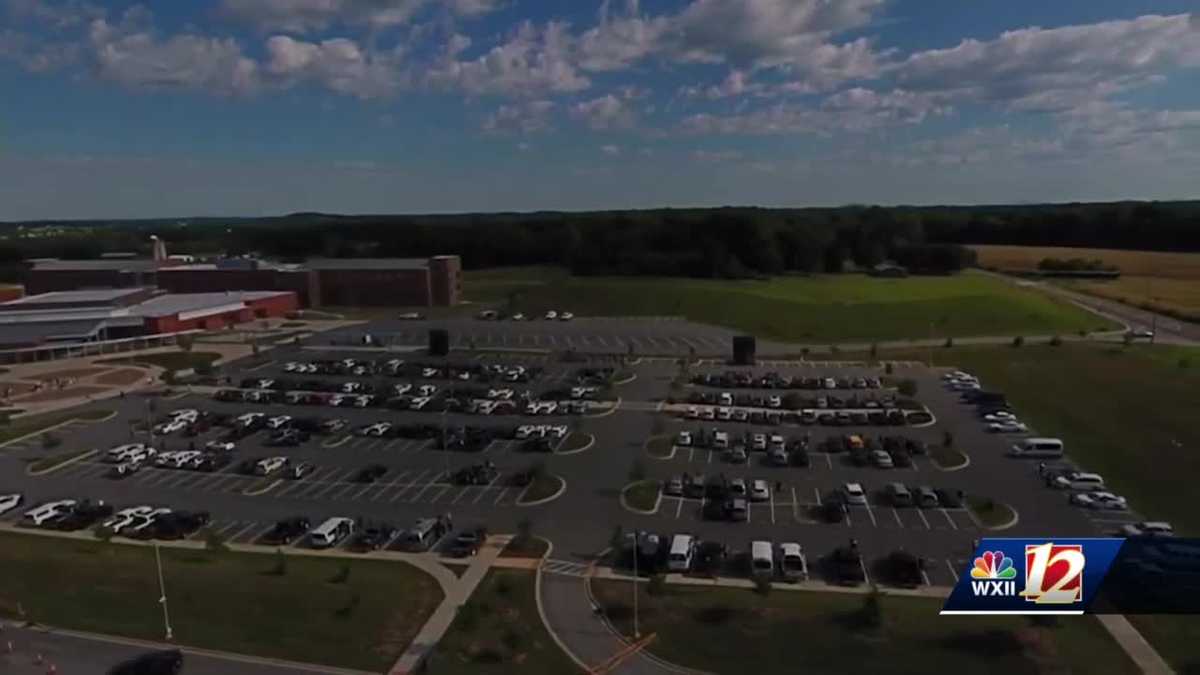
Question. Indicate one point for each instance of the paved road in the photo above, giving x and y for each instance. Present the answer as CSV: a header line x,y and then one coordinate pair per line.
x,y
77,654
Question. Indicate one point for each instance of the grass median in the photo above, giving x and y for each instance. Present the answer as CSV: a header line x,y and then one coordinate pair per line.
x,y
169,360
543,486
642,495
575,441
989,512
347,613
499,631
724,630
661,446
33,424
54,461
947,457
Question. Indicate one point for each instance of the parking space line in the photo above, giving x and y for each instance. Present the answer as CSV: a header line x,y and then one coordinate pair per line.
x,y
445,489
678,506
896,513
410,485
232,524
222,481
691,453
205,480
348,487
953,525
771,496
248,527
329,485
829,460
388,486
500,497
817,492
871,514
259,534
484,490
416,497
953,571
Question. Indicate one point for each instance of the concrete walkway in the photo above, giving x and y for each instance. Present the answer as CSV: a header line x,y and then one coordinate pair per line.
x,y
457,590
1135,646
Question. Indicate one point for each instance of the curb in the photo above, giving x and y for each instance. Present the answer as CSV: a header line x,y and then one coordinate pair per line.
x,y
958,467
537,592
111,414
562,487
1016,518
646,449
68,462
586,446
337,444
263,490
642,512
631,378
616,404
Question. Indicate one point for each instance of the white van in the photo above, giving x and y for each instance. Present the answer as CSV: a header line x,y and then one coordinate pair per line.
x,y
683,546
721,440
762,559
1077,480
1038,447
330,532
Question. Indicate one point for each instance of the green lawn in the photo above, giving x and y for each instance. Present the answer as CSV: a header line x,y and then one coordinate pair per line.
x,y
52,461
947,458
544,485
990,513
169,360
642,495
226,601
500,632
734,631
13,429
819,309
660,446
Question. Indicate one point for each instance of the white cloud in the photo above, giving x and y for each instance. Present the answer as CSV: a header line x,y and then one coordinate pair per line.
x,y
301,16
339,64
142,59
605,112
716,156
611,150
1056,69
526,117
737,83
59,16
533,61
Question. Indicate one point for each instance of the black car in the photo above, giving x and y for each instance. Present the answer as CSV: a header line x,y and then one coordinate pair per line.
x,y
950,499
287,438
468,541
832,511
710,557
477,474
373,537
287,531
167,662
370,473
179,524
847,565
905,569
799,457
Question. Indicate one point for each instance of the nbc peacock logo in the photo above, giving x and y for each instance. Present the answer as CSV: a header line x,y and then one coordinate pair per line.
x,y
993,575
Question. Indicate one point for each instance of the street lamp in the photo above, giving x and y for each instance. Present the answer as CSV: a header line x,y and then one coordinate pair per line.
x,y
162,594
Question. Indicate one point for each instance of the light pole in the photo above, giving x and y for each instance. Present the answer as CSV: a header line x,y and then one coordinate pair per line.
x,y
162,594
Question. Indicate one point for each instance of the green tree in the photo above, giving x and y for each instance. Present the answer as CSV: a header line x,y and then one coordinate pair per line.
x,y
907,387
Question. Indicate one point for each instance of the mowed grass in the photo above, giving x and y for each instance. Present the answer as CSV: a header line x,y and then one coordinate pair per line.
x,y
1136,263
499,632
820,309
12,429
169,360
733,631
225,601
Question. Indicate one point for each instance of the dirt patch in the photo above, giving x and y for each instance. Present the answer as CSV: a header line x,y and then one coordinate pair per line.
x,y
71,372
121,377
60,394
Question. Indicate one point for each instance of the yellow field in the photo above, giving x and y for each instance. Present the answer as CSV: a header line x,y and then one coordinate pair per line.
x,y
1177,297
1133,263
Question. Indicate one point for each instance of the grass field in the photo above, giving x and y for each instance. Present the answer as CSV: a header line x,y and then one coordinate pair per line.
x,y
642,495
227,601
499,632
1136,263
732,631
820,309
13,429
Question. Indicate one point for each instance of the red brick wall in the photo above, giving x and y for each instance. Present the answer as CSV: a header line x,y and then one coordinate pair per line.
x,y
445,280
378,287
215,281
268,307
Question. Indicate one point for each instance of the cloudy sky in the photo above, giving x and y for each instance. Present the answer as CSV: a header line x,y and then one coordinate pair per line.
x,y
249,107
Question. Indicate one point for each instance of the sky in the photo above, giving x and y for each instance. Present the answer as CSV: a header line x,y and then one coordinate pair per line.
x,y
258,107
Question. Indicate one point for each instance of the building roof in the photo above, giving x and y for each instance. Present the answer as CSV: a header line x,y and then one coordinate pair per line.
x,y
171,304
93,296
367,263
23,333
56,265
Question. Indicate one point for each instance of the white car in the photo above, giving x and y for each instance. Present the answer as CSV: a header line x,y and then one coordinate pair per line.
x,y
774,402
141,455
268,466
737,455
737,487
547,408
1148,529
518,317
558,431
187,413
582,392
49,511
10,502
693,413
429,372
419,402
402,388
143,523
777,443
167,428
724,413
853,494
336,400
881,459
165,459
279,422
524,431
350,387
566,316
741,414
758,442
1009,427
426,390
363,400
550,315
125,517
759,492
684,438
708,414
1105,501
500,394
1078,480
185,458
378,429
725,398
291,367
830,383
1000,416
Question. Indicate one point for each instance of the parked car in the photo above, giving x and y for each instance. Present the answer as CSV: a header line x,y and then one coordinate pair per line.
x,y
286,531
1148,529
1104,501
9,502
469,541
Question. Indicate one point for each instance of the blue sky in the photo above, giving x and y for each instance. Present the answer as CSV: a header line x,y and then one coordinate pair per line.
x,y
252,107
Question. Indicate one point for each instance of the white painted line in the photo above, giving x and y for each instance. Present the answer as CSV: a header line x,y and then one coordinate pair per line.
x,y
914,465
816,492
250,526
795,507
921,513
232,524
445,489
416,497
500,497
395,481
692,453
953,525
771,495
871,513
416,480
678,507
829,460
485,489
925,577
897,515
953,571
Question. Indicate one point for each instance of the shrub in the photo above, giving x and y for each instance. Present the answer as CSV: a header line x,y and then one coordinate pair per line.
x,y
514,640
1018,341
907,387
102,533
341,576
762,585
214,542
948,343
468,618
279,569
871,613
504,587
1185,363
1056,341
888,368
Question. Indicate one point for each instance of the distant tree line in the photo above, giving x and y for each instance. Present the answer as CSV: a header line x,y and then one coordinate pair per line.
x,y
718,243
1075,265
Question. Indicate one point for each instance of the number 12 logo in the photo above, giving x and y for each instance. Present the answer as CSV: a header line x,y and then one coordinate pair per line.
x,y
1053,573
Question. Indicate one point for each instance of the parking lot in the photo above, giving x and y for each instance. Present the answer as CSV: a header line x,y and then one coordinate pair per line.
x,y
411,478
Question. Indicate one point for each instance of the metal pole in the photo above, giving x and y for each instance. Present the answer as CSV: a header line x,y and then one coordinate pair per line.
x,y
162,591
637,536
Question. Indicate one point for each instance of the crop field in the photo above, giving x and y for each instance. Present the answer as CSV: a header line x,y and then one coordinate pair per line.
x,y
1179,298
1133,263
817,309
